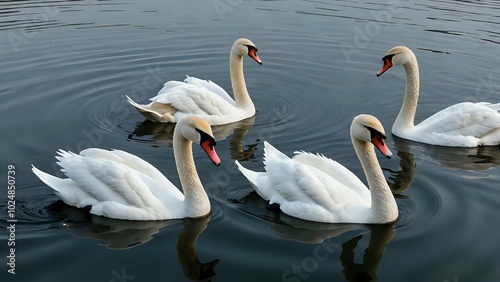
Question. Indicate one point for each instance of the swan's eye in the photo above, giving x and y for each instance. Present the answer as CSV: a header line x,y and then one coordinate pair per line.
x,y
376,134
388,58
387,64
250,48
205,137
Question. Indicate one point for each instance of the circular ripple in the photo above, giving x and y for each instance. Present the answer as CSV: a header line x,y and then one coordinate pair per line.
x,y
32,209
405,217
218,209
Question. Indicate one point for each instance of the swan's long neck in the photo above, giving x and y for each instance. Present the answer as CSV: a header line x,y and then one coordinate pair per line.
x,y
241,96
196,202
406,117
384,207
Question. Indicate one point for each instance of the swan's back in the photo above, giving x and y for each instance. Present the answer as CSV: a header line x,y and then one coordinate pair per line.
x,y
461,125
200,98
335,170
465,125
115,183
305,191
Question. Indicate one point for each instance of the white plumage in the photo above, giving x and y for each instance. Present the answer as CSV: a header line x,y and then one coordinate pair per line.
x,y
316,188
203,98
462,125
117,184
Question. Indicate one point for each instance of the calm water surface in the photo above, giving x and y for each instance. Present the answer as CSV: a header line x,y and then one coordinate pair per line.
x,y
66,67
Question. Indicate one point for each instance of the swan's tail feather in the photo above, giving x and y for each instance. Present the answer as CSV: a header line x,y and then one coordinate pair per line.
x,y
138,106
66,189
50,180
151,114
249,174
270,152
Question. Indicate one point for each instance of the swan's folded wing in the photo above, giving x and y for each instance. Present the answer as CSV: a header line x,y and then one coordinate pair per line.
x,y
464,119
334,176
158,184
308,193
210,86
192,99
131,161
334,170
296,181
107,180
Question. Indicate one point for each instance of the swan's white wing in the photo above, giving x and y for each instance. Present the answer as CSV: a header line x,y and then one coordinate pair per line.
x,y
303,191
193,99
334,170
113,187
131,161
210,86
464,123
66,189
161,187
298,181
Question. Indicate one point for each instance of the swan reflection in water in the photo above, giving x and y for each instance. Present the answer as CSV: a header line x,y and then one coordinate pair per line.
x,y
476,158
164,132
126,234
325,234
400,180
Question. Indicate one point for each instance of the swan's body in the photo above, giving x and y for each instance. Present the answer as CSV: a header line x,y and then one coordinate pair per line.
x,y
316,188
204,98
120,185
462,125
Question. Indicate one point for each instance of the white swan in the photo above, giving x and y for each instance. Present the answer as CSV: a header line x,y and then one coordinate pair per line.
x,y
461,125
120,185
204,98
316,188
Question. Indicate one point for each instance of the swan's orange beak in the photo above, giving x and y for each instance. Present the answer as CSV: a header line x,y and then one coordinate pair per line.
x,y
209,148
253,54
387,65
378,141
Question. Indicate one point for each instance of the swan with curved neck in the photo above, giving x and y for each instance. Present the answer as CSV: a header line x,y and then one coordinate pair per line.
x,y
204,98
316,188
462,125
120,185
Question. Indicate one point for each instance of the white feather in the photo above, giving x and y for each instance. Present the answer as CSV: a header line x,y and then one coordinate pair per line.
x,y
203,98
461,125
120,185
316,188
113,187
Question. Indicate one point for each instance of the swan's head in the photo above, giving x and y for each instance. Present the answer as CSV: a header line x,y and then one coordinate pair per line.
x,y
243,46
199,131
398,55
369,129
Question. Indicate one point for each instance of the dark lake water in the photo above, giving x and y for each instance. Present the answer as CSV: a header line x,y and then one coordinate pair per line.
x,y
66,67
